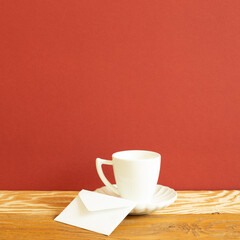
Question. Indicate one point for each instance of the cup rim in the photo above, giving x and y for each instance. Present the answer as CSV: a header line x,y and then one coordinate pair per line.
x,y
154,155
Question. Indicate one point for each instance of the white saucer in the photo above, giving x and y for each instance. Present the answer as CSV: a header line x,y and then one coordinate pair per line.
x,y
163,197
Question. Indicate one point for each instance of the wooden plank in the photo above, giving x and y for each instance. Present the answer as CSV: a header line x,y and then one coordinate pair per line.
x,y
172,227
30,214
188,202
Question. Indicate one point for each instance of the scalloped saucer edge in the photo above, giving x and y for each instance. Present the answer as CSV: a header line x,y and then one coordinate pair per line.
x,y
162,197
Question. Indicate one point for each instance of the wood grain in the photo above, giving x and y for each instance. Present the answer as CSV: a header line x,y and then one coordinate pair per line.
x,y
203,202
195,215
188,202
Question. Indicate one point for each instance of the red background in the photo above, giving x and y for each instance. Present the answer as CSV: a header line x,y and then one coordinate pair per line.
x,y
83,79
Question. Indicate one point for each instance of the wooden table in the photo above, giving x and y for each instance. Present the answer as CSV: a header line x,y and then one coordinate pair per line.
x,y
195,215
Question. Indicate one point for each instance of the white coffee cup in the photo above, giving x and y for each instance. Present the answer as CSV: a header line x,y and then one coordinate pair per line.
x,y
136,173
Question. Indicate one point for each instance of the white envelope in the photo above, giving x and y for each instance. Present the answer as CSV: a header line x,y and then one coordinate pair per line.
x,y
96,212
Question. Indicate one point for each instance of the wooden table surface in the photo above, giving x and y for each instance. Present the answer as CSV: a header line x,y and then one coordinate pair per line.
x,y
195,215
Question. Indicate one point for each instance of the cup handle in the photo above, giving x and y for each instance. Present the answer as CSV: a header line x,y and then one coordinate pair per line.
x,y
99,163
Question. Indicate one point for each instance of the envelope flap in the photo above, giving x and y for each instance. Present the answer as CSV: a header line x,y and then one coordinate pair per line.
x,y
94,201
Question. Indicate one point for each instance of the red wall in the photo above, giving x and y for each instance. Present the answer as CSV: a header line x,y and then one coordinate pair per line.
x,y
84,79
